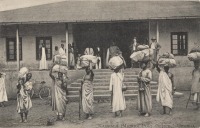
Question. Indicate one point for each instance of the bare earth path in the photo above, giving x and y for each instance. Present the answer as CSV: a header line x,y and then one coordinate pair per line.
x,y
103,118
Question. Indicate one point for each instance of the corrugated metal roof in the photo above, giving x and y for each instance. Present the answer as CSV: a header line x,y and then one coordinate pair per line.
x,y
85,11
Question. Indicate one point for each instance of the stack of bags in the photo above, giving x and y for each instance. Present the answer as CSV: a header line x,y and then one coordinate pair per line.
x,y
60,63
87,61
194,54
167,59
143,54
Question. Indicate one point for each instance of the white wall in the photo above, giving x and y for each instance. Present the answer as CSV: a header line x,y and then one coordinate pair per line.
x,y
29,34
192,27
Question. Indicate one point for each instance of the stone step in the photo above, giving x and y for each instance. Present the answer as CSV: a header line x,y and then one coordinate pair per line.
x,y
106,92
109,73
99,76
104,83
126,70
73,98
129,87
108,80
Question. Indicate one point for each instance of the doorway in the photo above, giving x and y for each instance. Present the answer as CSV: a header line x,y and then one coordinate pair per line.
x,y
102,34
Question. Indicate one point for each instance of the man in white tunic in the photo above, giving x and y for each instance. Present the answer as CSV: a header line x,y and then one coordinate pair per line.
x,y
118,100
62,50
3,94
43,61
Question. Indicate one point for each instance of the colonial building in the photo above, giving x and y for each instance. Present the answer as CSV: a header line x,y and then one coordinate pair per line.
x,y
176,25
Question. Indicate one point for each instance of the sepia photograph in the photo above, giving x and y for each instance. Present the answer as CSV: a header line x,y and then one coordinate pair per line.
x,y
99,64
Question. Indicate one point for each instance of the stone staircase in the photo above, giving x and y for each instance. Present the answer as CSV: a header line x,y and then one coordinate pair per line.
x,y
101,85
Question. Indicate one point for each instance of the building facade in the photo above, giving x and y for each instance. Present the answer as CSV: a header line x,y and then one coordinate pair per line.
x,y
176,34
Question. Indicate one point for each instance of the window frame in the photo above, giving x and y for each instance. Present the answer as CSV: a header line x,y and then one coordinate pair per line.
x,y
182,48
38,48
8,39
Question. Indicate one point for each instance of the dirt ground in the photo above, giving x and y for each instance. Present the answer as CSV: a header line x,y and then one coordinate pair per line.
x,y
103,118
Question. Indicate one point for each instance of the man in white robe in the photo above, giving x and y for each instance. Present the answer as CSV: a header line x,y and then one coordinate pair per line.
x,y
43,61
62,50
3,94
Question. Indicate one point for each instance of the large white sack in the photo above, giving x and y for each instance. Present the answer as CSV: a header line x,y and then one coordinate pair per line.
x,y
148,54
167,55
22,72
59,68
61,60
167,62
91,58
194,56
137,56
142,47
115,62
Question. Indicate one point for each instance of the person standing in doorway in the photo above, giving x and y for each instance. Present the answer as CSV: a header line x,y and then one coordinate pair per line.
x,y
133,48
98,55
156,47
43,61
3,94
56,52
71,57
62,50
89,51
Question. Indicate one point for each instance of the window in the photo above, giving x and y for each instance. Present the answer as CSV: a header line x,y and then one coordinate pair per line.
x,y
179,43
48,45
11,49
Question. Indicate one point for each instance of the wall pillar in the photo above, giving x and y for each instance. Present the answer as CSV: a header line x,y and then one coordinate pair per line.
x,y
67,41
17,40
157,31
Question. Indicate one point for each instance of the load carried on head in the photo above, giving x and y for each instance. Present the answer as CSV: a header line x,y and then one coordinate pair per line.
x,y
167,59
116,62
144,54
194,54
24,74
87,61
60,63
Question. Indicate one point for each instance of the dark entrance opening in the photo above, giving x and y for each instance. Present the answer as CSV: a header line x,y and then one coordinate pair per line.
x,y
102,34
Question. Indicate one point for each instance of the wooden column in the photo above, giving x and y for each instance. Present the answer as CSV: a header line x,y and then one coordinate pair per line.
x,y
17,41
157,31
67,41
149,33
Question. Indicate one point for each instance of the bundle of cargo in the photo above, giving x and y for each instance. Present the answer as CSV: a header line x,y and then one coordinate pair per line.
x,y
60,59
144,55
116,62
142,47
194,54
87,60
59,68
22,72
167,59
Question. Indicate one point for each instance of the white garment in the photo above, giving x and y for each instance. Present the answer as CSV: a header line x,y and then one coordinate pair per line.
x,y
3,94
153,45
43,62
118,102
98,65
134,46
164,93
61,51
89,51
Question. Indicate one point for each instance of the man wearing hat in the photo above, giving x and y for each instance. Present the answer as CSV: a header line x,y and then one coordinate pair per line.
x,y
156,47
